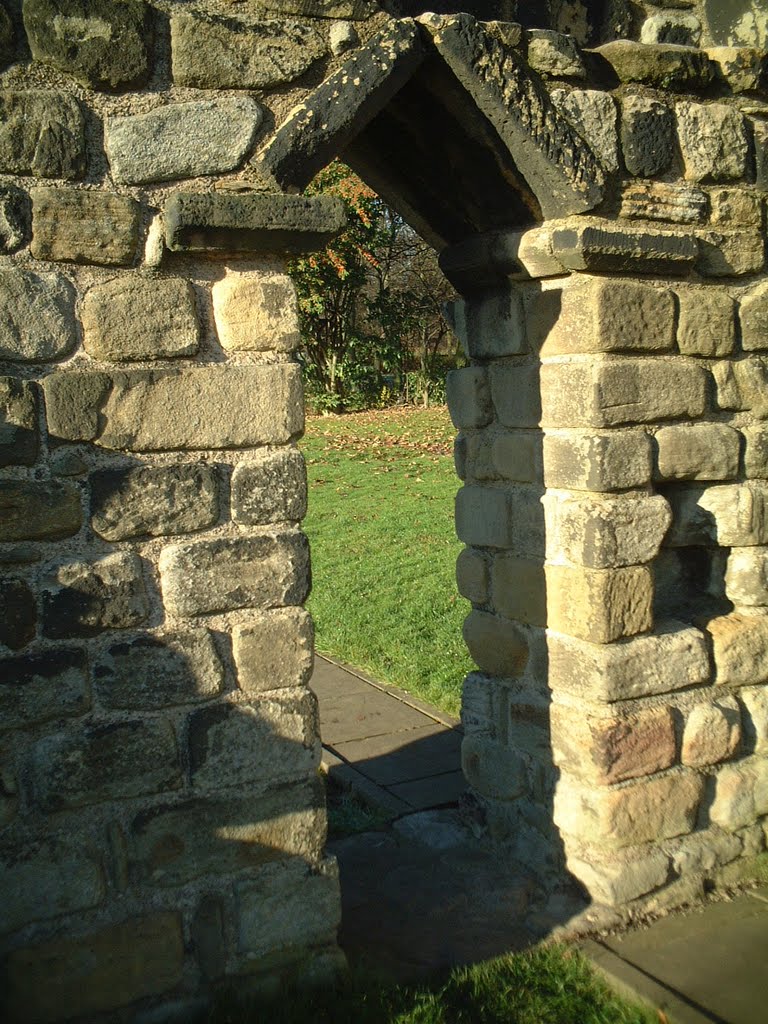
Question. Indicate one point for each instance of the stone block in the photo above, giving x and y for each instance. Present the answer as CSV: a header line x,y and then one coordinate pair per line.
x,y
490,326
7,40
256,311
740,648
730,515
680,29
108,760
730,253
664,66
342,37
712,733
517,456
620,879
41,133
219,575
37,316
270,487
48,878
518,589
153,501
212,406
78,975
18,422
760,138
15,218
597,462
756,452
640,812
273,650
599,605
84,598
274,740
38,687
736,208
498,646
554,54
18,614
674,658
492,769
658,200
742,68
594,115
174,844
515,391
182,140
703,851
746,577
740,384
713,140
490,517
607,533
753,317
754,700
472,575
621,390
468,396
39,509
648,137
613,746
237,54
603,248
707,325
734,805
705,451
133,318
156,671
105,47
84,227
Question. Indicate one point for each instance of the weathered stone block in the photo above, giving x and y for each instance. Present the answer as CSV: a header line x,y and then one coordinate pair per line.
x,y
256,311
742,68
492,769
472,575
736,208
515,391
657,200
755,702
607,533
7,40
182,140
730,515
674,658
740,648
37,316
41,133
707,325
102,971
273,740
753,316
741,383
149,671
620,879
760,138
597,462
15,218
599,605
241,572
212,406
712,733
491,326
640,812
235,54
99,761
713,139
140,318
106,47
175,843
647,136
270,487
18,422
18,614
37,687
601,247
705,451
496,645
593,114
730,253
342,37
469,398
153,501
518,589
555,54
84,227
39,509
273,650
82,598
672,27
735,804
746,577
489,517
756,452
664,66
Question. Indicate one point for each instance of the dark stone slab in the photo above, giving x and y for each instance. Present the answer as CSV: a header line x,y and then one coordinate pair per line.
x,y
6,38
15,218
38,509
85,598
41,133
37,687
84,227
18,422
648,138
606,250
18,614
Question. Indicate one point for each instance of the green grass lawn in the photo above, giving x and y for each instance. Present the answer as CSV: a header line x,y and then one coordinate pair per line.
x,y
380,522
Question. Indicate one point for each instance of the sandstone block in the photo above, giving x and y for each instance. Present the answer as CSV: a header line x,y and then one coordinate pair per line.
x,y
492,769
37,687
593,114
489,517
342,37
491,326
256,311
212,406
621,879
149,671
741,67
755,703
704,850
270,487
274,740
599,605
760,137
648,136
713,139
734,805
84,598
102,971
106,47
182,140
746,577
37,316
140,318
707,325
153,501
712,733
18,614
740,383
555,54
608,533
664,66
84,227
740,648
641,812
97,761
753,316
756,452
515,391
736,208
497,646
39,509
518,589
671,27
15,218
18,422
223,574
706,451
657,200
730,515
730,253
517,456
602,248
235,54
597,462
41,133
469,398
273,650
472,575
